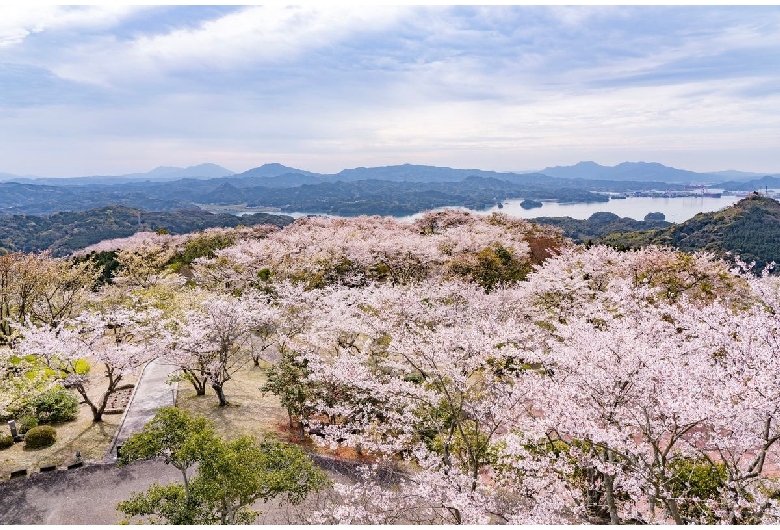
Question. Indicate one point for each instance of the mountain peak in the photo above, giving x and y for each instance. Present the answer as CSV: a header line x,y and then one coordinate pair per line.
x,y
586,163
627,171
272,169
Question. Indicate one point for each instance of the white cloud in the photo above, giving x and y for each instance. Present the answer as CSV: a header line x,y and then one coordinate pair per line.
x,y
17,21
236,40
335,87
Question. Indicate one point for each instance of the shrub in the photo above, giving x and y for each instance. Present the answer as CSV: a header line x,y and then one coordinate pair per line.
x,y
26,423
491,267
40,437
6,441
696,483
204,245
56,406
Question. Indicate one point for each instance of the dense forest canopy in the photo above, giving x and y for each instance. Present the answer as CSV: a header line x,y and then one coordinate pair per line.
x,y
65,232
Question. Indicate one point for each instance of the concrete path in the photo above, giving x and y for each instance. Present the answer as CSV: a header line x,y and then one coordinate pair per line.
x,y
151,393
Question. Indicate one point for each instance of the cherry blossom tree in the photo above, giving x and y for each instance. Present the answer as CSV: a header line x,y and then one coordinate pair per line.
x,y
593,400
742,343
500,373
42,289
210,344
419,372
356,251
116,340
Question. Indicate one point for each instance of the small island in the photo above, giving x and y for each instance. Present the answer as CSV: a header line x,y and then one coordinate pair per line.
x,y
529,204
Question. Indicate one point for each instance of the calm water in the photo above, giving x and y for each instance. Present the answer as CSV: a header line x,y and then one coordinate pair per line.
x,y
676,209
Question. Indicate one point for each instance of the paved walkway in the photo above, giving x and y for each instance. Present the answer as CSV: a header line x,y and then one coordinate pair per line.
x,y
151,393
80,496
89,495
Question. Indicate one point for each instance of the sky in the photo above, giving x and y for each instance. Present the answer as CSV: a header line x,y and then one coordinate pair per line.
x,y
101,90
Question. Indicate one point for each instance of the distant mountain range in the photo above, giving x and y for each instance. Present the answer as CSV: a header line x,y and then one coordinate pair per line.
x,y
350,193
161,173
279,175
771,182
644,171
389,190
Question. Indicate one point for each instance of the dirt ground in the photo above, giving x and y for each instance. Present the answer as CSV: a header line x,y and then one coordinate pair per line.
x,y
248,412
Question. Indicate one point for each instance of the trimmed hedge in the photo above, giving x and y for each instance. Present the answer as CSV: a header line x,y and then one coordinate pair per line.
x,y
40,437
6,441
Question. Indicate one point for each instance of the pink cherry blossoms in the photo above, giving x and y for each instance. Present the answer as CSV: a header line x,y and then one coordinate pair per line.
x,y
490,370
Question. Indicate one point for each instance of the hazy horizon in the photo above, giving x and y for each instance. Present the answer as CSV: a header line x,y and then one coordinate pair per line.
x,y
100,90
518,171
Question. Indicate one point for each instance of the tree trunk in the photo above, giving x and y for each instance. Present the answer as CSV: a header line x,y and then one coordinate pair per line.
x,y
610,495
97,413
187,496
198,383
456,514
220,393
674,511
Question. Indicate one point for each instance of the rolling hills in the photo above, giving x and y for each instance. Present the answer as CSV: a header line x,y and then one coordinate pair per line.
x,y
63,233
749,229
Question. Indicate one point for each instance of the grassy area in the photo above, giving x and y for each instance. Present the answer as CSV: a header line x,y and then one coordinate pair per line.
x,y
249,411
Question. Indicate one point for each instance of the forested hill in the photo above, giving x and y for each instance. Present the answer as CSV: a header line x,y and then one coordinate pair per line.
x,y
601,224
63,233
749,229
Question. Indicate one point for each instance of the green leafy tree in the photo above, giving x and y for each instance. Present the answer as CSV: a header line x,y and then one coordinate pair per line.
x,y
491,267
161,505
287,380
56,405
175,435
240,472
231,475
697,484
